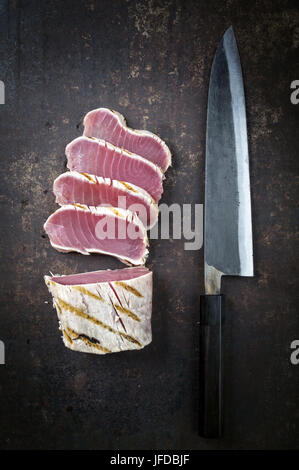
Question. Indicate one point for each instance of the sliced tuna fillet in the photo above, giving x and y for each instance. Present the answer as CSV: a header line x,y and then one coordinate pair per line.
x,y
72,187
104,311
108,230
111,126
100,158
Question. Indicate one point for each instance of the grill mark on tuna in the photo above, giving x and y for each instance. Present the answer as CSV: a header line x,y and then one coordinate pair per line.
x,y
76,311
87,292
115,211
92,342
79,205
128,312
130,289
67,337
58,308
88,177
126,185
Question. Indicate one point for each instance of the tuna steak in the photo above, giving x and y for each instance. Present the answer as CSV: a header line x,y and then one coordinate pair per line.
x,y
72,187
107,230
100,158
104,311
111,126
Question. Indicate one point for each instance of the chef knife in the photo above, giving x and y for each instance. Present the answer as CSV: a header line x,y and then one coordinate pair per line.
x,y
228,230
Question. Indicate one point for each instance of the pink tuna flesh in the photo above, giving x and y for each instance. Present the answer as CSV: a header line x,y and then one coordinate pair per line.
x,y
72,187
100,158
94,277
109,125
98,230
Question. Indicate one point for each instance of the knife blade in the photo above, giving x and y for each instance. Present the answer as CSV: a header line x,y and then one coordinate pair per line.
x,y
228,227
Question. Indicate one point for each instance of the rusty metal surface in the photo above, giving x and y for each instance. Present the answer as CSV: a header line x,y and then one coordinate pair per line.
x,y
151,61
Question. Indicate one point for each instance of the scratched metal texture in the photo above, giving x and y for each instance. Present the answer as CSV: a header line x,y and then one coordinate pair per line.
x,y
151,61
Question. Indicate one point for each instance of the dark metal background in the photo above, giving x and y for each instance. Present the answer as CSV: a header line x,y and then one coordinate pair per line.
x,y
151,61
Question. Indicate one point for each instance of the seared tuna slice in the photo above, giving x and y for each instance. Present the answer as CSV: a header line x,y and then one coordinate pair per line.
x,y
111,126
72,187
107,230
100,158
104,311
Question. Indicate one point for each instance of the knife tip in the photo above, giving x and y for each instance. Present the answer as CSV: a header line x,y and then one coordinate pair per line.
x,y
229,31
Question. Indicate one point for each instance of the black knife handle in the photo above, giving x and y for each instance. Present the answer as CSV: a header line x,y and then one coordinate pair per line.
x,y
210,363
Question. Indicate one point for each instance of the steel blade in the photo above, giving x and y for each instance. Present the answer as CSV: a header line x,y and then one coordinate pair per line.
x,y
228,228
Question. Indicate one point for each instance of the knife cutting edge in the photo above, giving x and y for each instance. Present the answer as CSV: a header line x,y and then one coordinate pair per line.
x,y
228,227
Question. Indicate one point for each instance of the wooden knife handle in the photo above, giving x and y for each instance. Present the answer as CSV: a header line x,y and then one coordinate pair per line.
x,y
210,362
